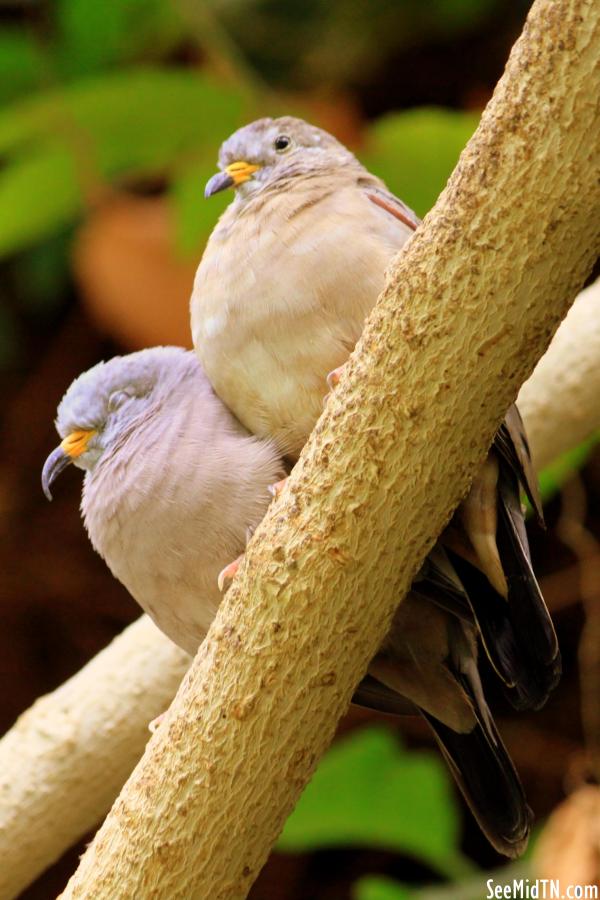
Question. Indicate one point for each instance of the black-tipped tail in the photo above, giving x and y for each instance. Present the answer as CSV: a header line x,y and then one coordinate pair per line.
x,y
517,632
530,618
373,694
489,783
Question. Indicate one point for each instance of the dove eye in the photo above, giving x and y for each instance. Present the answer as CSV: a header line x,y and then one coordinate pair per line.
x,y
117,399
282,142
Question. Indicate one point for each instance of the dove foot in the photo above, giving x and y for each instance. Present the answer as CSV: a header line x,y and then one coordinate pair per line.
x,y
276,488
334,377
227,574
155,724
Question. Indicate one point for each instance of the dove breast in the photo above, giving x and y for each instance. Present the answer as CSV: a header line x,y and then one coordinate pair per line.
x,y
310,263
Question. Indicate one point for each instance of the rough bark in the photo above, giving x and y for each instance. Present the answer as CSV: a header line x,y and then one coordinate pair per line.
x,y
66,758
109,703
469,308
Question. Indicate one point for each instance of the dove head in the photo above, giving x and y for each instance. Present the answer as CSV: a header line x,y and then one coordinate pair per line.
x,y
110,401
268,150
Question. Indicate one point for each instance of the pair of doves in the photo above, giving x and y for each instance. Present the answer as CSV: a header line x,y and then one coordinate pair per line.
x,y
179,456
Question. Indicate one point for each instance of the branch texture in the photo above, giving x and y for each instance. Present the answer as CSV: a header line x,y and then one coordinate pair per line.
x,y
469,308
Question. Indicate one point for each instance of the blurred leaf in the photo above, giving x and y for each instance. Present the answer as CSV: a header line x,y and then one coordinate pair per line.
x,y
92,36
38,193
376,888
21,64
554,476
131,124
140,117
415,151
369,791
195,216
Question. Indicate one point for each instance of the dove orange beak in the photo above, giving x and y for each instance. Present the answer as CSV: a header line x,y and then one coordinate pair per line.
x,y
233,175
76,443
69,449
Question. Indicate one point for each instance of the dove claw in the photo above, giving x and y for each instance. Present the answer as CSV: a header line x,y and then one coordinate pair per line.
x,y
276,488
333,379
155,724
227,574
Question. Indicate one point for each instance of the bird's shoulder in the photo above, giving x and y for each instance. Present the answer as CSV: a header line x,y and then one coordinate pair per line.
x,y
376,191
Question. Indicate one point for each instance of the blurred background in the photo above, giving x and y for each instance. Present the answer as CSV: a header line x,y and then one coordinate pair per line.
x,y
111,115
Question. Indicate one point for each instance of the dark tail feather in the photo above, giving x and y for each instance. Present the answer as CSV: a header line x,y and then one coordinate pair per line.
x,y
527,611
508,634
517,633
489,783
372,694
512,447
492,614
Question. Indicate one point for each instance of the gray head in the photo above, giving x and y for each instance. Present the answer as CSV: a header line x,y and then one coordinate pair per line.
x,y
270,149
106,403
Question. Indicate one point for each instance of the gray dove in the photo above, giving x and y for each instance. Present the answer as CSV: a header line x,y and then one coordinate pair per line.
x,y
172,481
173,484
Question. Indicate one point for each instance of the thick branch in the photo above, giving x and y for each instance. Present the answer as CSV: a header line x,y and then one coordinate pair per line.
x,y
66,758
469,309
38,751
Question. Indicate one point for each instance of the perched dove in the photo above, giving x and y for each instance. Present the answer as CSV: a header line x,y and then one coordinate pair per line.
x,y
289,274
172,485
171,478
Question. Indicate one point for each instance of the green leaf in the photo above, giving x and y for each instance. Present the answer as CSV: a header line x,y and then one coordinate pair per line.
x,y
128,125
369,791
38,193
195,217
376,888
21,64
141,117
554,476
92,36
415,152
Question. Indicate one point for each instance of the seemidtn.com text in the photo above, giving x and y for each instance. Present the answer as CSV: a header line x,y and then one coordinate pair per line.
x,y
540,889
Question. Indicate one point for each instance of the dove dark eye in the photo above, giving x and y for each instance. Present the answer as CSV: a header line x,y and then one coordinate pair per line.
x,y
117,399
282,142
